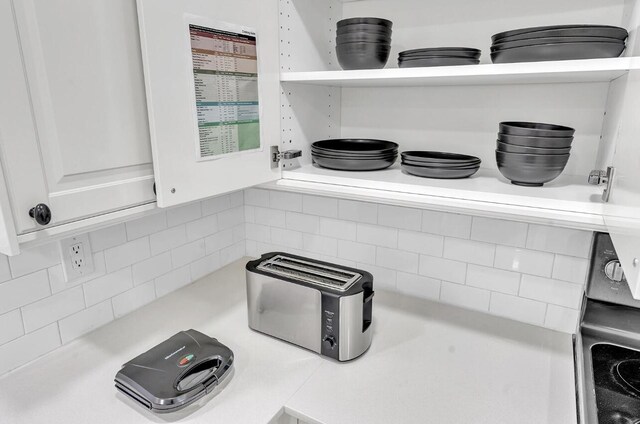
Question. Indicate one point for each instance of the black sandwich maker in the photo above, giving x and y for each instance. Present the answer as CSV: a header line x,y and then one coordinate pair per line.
x,y
175,373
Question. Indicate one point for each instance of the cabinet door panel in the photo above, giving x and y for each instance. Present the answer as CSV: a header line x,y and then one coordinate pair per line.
x,y
82,62
171,96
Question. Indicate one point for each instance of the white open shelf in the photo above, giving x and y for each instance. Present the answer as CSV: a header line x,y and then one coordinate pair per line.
x,y
566,71
568,200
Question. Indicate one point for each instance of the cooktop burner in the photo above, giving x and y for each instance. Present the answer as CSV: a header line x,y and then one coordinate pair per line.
x,y
616,372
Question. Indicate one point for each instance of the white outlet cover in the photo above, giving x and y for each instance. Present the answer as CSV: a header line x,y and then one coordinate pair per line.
x,y
72,273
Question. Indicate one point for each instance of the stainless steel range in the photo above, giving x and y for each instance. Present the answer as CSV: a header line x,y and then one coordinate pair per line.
x,y
608,343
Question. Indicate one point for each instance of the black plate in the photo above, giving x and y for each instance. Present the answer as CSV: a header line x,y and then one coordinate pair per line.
x,y
367,21
563,30
541,142
441,165
439,173
438,157
356,29
356,145
352,164
329,154
433,55
535,129
560,51
552,40
443,51
436,61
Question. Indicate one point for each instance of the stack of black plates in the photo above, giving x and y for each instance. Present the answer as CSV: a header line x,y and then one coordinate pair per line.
x,y
531,153
354,154
439,164
363,43
438,56
560,42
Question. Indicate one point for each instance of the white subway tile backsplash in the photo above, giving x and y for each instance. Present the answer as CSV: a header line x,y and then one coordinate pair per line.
x,y
202,227
259,232
10,326
569,268
285,201
301,222
5,271
133,299
183,214
34,259
446,224
336,228
397,259
358,211
561,319
418,286
357,252
523,260
551,291
517,308
398,217
187,253
205,266
232,253
493,279
127,254
52,309
220,240
172,281
559,240
473,252
151,268
168,239
95,291
256,197
287,238
443,269
426,244
230,218
29,347
380,236
383,278
270,217
146,225
222,203
322,206
85,321
465,296
57,280
510,233
108,237
320,244
24,290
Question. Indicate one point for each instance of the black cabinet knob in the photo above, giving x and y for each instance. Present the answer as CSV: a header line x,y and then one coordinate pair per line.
x,y
41,213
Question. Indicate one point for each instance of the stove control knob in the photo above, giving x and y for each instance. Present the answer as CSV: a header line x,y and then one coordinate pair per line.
x,y
613,271
329,341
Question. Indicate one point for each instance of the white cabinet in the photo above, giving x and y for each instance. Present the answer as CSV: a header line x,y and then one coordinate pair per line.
x,y
73,120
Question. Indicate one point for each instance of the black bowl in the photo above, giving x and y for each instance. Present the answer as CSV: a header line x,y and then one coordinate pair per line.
x,y
539,142
530,170
535,129
365,21
362,55
363,28
513,148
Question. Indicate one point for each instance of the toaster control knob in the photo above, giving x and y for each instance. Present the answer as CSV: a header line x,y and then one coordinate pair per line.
x,y
613,271
329,341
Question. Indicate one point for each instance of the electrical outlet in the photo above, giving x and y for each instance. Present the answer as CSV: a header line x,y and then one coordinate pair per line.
x,y
77,259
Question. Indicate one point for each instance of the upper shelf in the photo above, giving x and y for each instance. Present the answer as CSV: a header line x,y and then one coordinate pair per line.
x,y
566,71
567,201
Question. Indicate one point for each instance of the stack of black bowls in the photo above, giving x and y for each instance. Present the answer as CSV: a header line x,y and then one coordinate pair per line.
x,y
532,153
439,165
560,42
354,154
438,56
363,43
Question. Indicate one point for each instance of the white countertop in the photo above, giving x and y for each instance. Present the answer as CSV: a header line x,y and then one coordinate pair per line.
x,y
428,363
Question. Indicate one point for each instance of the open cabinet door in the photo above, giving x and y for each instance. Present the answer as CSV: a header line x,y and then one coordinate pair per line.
x,y
622,212
212,81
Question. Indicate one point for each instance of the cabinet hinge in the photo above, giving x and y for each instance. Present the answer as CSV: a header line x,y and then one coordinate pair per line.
x,y
277,155
598,176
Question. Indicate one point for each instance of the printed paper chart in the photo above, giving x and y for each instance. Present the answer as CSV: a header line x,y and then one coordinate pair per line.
x,y
225,71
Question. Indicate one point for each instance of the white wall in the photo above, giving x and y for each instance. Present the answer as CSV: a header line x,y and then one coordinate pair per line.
x,y
135,263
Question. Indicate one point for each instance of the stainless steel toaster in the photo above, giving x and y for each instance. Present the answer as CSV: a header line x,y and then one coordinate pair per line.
x,y
322,307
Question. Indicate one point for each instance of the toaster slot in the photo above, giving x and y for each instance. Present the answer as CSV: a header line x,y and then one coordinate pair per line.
x,y
309,272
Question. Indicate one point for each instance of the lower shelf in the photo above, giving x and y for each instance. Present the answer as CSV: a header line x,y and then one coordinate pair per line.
x,y
568,201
